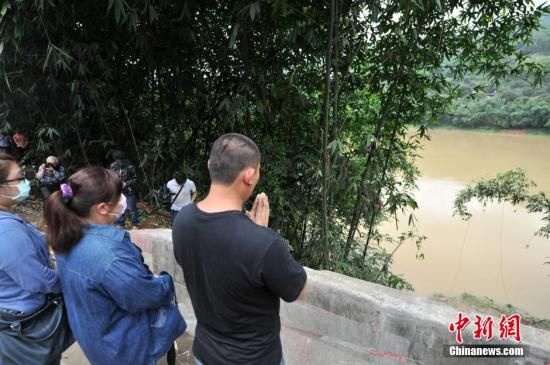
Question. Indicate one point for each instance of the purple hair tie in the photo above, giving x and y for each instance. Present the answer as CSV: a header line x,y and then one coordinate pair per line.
x,y
66,191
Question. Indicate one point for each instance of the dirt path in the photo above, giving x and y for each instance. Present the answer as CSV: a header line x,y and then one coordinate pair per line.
x,y
31,210
184,356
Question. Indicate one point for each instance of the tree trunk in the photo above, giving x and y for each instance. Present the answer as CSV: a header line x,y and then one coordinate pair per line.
x,y
326,161
384,170
364,178
336,86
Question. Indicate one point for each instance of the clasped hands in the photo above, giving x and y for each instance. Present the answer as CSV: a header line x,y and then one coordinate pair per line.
x,y
259,213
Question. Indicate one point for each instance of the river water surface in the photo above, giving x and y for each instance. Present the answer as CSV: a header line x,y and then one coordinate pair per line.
x,y
495,254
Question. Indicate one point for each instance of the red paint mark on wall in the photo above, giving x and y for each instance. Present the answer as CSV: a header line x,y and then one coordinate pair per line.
x,y
302,331
390,355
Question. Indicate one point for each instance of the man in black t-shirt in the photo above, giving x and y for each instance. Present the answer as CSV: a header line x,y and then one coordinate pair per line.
x,y
236,269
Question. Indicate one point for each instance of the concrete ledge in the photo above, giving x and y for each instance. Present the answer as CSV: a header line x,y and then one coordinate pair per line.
x,y
343,320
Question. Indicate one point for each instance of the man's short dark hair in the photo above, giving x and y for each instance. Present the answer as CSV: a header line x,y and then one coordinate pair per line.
x,y
119,155
231,154
180,177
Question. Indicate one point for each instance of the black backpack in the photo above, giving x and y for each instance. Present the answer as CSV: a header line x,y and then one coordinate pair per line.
x,y
164,197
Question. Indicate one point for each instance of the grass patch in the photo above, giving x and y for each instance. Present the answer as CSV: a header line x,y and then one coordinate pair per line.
x,y
535,131
470,303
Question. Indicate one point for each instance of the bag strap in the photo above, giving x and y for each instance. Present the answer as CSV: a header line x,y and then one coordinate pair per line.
x,y
179,191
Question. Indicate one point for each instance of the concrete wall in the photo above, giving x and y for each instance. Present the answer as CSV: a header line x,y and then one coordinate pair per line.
x,y
342,320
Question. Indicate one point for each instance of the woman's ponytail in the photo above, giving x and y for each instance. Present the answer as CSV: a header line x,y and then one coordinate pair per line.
x,y
66,210
63,225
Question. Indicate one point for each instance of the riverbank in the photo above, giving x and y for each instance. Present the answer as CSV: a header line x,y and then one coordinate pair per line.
x,y
470,303
31,211
489,129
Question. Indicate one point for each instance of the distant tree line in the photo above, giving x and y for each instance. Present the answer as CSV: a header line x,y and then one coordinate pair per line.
x,y
513,103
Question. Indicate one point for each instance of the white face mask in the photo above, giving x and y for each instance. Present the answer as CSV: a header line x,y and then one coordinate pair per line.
x,y
122,202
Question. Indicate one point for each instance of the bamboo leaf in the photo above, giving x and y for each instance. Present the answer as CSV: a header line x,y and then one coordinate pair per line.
x,y
252,11
48,55
5,6
234,33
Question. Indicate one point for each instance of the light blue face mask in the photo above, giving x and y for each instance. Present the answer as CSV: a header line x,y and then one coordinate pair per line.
x,y
24,188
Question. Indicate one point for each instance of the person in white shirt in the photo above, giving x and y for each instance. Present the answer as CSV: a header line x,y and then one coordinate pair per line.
x,y
183,192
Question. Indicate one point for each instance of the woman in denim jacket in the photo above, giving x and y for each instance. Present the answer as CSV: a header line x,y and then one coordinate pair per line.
x,y
26,276
119,312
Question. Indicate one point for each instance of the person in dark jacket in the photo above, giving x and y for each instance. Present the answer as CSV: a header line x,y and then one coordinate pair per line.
x,y
50,175
127,174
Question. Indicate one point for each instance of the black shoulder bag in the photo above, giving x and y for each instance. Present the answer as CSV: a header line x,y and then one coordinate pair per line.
x,y
38,326
25,337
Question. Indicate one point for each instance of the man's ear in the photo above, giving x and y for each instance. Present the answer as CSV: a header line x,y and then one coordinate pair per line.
x,y
248,175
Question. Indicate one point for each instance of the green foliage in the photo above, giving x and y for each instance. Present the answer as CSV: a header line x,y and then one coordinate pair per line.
x,y
514,102
163,79
540,40
511,186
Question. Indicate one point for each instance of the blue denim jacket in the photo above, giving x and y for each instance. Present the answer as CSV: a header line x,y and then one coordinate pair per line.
x,y
25,274
119,312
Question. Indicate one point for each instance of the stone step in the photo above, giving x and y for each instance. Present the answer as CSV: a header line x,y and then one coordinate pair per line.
x,y
184,356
